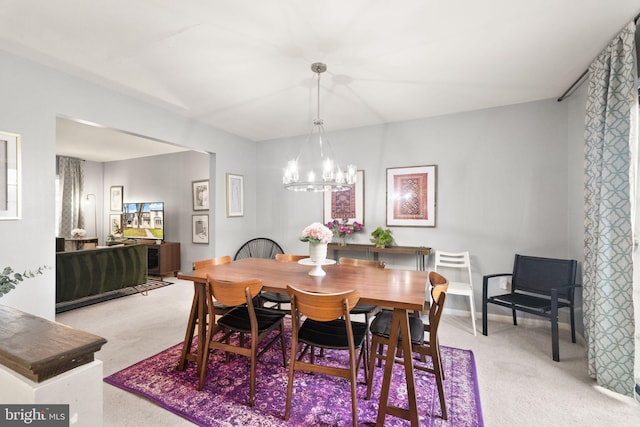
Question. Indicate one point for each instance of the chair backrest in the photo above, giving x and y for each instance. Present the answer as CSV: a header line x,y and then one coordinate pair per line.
x,y
436,279
360,262
260,247
459,260
322,307
439,294
539,275
234,293
226,259
290,257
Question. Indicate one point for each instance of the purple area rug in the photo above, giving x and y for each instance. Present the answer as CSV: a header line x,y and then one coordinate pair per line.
x,y
318,400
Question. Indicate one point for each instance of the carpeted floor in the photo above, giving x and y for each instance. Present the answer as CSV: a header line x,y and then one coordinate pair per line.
x,y
317,399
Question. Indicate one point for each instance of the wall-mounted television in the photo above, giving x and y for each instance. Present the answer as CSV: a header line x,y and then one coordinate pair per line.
x,y
143,220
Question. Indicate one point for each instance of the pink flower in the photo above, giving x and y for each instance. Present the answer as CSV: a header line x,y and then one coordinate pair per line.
x,y
316,233
342,229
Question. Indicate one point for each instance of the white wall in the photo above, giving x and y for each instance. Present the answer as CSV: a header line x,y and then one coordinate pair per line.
x,y
504,176
502,184
34,95
166,178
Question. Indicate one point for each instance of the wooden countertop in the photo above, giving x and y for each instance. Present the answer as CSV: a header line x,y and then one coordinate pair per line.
x,y
40,349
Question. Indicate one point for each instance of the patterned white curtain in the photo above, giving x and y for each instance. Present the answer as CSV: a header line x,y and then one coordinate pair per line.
x,y
609,203
71,177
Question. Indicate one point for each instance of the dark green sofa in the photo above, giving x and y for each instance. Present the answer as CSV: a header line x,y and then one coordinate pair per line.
x,y
85,273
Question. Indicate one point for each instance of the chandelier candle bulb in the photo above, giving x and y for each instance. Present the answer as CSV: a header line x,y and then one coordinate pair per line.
x,y
316,160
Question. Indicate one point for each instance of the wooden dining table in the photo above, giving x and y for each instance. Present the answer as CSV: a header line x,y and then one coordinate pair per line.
x,y
404,291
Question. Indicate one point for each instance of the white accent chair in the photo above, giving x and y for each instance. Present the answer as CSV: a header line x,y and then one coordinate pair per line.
x,y
457,260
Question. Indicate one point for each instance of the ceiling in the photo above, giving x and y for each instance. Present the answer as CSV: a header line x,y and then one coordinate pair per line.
x,y
244,66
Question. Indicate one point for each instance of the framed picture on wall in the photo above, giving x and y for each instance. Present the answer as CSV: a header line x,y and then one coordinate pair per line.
x,y
200,195
115,223
411,196
347,204
200,227
10,179
116,197
235,195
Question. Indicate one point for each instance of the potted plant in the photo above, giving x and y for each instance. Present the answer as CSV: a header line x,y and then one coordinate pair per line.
x,y
343,229
381,237
318,235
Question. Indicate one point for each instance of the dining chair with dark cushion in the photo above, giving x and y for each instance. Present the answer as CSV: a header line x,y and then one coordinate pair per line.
x,y
367,309
242,319
327,325
381,329
276,298
196,265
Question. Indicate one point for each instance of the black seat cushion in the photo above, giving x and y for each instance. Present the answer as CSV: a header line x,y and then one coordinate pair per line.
x,y
221,307
363,308
381,326
238,319
275,297
526,300
331,334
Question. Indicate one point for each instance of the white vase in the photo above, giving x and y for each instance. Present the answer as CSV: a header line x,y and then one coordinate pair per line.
x,y
317,252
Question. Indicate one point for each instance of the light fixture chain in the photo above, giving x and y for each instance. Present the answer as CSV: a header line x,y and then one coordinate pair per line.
x,y
318,116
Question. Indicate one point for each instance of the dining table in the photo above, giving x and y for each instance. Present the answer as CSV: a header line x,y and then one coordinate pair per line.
x,y
403,291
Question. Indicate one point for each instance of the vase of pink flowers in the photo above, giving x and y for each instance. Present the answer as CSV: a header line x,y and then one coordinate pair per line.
x,y
342,229
318,236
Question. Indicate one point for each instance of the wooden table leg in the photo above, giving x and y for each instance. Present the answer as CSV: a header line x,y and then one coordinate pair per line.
x,y
399,324
201,360
194,315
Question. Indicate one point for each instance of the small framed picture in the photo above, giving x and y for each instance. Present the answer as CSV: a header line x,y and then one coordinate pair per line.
x,y
411,196
10,176
116,197
200,227
115,223
347,204
200,195
235,195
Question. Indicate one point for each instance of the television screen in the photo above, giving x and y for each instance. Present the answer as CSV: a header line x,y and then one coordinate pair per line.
x,y
143,220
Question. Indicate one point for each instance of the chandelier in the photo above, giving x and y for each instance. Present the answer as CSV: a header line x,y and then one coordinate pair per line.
x,y
315,168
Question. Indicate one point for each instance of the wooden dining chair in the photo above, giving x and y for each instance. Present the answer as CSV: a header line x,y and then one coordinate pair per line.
x,y
367,309
327,325
277,298
381,328
242,319
226,259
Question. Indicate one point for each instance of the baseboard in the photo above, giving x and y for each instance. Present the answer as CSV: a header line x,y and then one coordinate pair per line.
x,y
508,319
107,296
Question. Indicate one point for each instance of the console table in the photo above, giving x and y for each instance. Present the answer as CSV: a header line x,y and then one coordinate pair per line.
x,y
164,259
78,243
371,252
